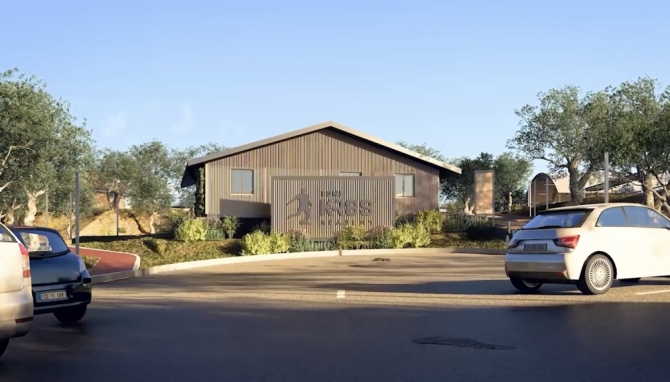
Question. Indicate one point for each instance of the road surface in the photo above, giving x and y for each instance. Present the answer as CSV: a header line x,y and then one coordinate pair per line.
x,y
424,318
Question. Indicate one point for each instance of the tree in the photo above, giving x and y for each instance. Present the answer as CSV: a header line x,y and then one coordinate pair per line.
x,y
511,173
178,158
561,131
634,134
423,149
150,190
113,174
461,188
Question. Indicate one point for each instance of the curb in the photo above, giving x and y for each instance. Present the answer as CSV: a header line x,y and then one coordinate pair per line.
x,y
99,279
136,265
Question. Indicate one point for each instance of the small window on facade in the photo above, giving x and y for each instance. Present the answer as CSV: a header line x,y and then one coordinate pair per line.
x,y
404,185
350,174
242,182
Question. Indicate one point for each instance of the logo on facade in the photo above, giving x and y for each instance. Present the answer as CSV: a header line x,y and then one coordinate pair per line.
x,y
304,207
333,209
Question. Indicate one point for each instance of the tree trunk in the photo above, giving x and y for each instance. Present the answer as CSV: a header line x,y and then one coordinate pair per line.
x,y
509,202
647,186
576,192
466,206
151,223
11,211
31,207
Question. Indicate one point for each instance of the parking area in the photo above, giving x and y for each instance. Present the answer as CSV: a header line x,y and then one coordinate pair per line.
x,y
411,318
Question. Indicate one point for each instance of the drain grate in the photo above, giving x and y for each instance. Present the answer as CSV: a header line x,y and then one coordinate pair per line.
x,y
460,342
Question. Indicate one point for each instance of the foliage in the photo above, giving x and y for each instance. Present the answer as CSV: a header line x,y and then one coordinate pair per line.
x,y
563,131
461,188
414,235
511,175
158,246
300,241
450,241
259,243
263,226
423,149
190,230
431,219
380,237
230,225
113,172
352,237
193,195
215,230
460,222
199,202
175,251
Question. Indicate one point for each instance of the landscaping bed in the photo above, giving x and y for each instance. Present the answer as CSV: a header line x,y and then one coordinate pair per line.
x,y
153,252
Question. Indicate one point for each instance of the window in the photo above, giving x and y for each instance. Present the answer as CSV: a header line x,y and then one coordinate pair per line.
x,y
350,174
38,240
404,185
612,217
5,237
242,182
561,219
645,217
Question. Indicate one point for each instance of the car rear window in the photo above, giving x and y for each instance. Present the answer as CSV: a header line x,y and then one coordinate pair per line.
x,y
558,219
37,240
5,237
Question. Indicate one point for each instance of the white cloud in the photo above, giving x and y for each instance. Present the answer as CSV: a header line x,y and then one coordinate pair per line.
x,y
187,122
115,124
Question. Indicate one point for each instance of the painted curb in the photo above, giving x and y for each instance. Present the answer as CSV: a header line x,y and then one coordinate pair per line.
x,y
98,279
136,265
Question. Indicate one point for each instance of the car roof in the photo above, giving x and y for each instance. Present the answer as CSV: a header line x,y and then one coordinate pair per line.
x,y
595,206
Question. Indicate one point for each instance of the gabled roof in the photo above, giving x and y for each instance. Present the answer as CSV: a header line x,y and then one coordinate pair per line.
x,y
189,177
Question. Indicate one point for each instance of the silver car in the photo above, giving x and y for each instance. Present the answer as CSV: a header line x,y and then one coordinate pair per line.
x,y
16,299
590,246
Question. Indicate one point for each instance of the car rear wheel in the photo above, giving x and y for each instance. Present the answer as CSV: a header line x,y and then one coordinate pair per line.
x,y
3,346
524,285
630,280
597,275
71,315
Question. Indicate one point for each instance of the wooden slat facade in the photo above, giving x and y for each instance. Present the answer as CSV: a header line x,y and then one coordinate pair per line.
x,y
322,153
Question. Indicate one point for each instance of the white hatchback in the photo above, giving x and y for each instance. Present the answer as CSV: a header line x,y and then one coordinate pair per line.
x,y
16,300
590,246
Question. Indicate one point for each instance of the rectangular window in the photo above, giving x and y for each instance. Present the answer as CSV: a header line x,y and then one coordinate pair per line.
x,y
350,174
242,182
404,185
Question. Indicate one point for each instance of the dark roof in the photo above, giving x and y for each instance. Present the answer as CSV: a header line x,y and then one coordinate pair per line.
x,y
190,173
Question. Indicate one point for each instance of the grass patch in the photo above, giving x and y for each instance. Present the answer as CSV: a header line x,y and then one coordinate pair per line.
x,y
153,252
90,261
457,240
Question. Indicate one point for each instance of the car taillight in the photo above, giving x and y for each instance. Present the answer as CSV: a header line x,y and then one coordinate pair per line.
x,y
25,257
567,242
513,244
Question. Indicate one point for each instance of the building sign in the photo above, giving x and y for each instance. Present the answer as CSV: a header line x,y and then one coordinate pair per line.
x,y
322,206
484,203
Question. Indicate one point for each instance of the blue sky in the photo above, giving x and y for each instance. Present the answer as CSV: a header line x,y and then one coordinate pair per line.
x,y
446,73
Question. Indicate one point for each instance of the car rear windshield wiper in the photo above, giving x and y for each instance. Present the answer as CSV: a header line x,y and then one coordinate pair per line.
x,y
43,254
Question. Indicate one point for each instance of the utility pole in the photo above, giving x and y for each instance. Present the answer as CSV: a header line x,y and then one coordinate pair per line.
x,y
607,178
76,212
46,215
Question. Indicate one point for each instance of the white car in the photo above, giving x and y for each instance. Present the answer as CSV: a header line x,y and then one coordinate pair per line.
x,y
16,300
590,246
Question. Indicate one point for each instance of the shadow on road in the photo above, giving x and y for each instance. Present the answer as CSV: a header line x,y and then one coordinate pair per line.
x,y
165,340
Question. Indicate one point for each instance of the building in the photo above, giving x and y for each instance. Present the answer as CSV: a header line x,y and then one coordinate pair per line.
x,y
238,180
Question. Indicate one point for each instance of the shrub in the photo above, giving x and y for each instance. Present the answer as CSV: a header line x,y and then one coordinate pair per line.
x,y
159,247
230,225
461,222
256,243
300,241
352,237
279,242
263,226
191,230
431,219
214,229
173,223
380,237
410,235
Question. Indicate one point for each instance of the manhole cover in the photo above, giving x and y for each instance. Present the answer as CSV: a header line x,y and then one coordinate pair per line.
x,y
460,342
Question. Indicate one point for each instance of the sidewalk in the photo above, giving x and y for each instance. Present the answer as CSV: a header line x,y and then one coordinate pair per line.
x,y
110,262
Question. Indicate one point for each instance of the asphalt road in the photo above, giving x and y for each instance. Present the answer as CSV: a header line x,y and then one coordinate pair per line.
x,y
283,321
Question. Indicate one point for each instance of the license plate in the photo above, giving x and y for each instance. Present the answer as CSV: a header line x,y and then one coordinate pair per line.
x,y
52,296
535,247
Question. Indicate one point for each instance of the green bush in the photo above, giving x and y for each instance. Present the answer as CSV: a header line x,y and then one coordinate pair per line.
x,y
263,226
380,237
230,225
258,243
352,237
300,242
191,230
410,235
461,222
431,219
156,246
